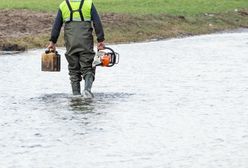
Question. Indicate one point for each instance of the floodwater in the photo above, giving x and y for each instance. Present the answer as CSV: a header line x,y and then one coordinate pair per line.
x,y
180,103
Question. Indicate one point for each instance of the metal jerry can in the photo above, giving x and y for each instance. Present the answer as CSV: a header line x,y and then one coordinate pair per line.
x,y
50,61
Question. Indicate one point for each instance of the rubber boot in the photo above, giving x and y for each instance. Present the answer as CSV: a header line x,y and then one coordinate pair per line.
x,y
76,88
89,79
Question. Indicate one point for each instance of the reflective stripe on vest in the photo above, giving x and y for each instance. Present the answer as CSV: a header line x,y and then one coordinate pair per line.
x,y
76,10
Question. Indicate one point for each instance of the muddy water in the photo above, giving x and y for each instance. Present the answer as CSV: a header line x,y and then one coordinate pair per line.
x,y
171,104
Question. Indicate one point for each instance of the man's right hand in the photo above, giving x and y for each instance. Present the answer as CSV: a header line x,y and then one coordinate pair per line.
x,y
51,46
100,46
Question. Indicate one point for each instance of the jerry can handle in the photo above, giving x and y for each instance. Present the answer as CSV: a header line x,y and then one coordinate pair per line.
x,y
49,50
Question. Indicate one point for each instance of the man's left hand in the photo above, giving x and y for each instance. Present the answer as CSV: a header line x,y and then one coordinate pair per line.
x,y
51,46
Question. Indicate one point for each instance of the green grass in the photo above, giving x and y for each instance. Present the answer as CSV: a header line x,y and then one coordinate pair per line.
x,y
173,7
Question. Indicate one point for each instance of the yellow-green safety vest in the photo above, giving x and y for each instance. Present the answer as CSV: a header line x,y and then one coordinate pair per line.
x,y
76,10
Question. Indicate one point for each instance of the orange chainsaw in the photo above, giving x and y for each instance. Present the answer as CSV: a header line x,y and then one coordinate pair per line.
x,y
106,58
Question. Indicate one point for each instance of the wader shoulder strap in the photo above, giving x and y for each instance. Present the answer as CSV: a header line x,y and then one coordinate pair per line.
x,y
70,8
80,10
72,11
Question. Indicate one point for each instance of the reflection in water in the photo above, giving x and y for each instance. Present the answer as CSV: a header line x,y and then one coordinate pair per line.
x,y
61,101
75,110
79,104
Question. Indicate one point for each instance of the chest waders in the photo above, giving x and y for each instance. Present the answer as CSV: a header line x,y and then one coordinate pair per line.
x,y
79,49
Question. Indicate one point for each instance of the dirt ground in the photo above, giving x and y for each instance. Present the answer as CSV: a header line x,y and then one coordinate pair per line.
x,y
16,23
20,23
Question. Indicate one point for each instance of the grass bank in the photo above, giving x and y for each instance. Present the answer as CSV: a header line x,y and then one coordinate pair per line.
x,y
171,7
124,20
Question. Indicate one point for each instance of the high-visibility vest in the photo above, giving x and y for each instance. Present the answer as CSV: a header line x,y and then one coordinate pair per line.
x,y
76,10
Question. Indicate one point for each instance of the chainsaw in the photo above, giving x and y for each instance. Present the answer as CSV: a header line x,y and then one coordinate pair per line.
x,y
106,58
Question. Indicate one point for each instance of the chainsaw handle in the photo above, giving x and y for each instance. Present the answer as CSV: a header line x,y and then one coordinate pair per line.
x,y
107,48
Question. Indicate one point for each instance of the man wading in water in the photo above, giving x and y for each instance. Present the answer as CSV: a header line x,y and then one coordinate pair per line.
x,y
78,16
